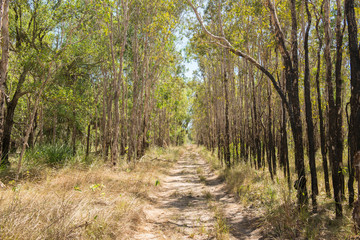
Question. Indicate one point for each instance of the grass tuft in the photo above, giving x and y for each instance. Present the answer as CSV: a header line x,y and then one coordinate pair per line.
x,y
51,155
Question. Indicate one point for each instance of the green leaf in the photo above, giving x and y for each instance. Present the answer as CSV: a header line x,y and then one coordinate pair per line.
x,y
77,188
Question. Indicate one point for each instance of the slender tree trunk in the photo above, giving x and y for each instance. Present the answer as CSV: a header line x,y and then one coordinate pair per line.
x,y
255,127
73,137
9,118
271,161
227,130
32,133
338,141
103,123
41,131
284,144
309,119
291,73
54,127
4,11
335,164
96,125
108,129
354,129
321,118
88,141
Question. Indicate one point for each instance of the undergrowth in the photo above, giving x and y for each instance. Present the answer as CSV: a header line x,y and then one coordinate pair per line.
x,y
277,204
52,155
92,201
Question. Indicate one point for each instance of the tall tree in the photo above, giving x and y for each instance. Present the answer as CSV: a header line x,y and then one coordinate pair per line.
x,y
4,26
308,109
354,130
320,107
332,114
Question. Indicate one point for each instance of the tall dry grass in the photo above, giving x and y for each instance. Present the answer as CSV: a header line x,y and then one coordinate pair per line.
x,y
276,203
79,202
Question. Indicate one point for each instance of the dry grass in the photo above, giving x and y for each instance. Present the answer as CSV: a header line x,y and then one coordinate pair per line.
x,y
281,218
81,203
221,227
221,230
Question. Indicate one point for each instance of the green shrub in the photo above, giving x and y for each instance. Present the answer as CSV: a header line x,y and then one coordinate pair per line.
x,y
53,155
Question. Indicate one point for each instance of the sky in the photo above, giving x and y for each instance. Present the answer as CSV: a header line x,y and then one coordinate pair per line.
x,y
181,43
190,65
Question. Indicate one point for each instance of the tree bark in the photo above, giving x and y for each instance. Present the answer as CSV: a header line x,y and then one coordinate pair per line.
x,y
9,118
4,24
354,129
88,141
309,119
73,137
227,155
338,141
335,164
321,118
292,88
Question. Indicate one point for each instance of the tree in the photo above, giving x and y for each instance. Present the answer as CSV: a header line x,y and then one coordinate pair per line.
x,y
354,134
309,118
291,75
4,26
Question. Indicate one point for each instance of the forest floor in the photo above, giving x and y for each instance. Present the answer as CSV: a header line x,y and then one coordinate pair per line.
x,y
193,203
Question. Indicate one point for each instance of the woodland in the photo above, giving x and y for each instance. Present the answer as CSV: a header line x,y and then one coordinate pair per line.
x,y
276,88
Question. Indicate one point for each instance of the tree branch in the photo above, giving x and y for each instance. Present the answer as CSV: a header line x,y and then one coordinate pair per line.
x,y
239,53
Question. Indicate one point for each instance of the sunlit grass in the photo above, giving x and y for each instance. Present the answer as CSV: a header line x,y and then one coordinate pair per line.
x,y
277,204
79,201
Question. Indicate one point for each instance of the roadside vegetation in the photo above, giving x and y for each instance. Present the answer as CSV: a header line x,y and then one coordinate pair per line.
x,y
276,204
76,198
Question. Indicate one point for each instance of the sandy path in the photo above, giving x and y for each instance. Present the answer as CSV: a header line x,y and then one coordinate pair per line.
x,y
188,206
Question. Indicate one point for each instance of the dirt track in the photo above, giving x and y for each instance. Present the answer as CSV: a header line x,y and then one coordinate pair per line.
x,y
192,203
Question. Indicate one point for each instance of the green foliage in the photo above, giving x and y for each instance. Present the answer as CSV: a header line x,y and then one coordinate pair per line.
x,y
52,155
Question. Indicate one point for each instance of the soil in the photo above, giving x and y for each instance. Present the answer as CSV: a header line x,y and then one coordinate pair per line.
x,y
192,203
